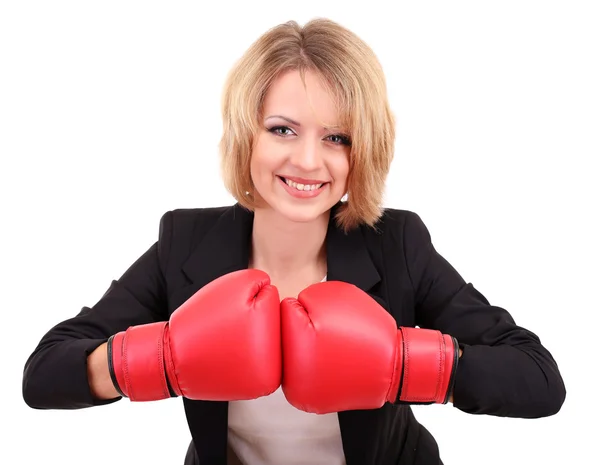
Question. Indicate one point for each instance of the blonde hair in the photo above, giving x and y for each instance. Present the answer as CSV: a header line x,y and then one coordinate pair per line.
x,y
357,82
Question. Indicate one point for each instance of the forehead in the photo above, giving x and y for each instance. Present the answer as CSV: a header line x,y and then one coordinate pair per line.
x,y
310,102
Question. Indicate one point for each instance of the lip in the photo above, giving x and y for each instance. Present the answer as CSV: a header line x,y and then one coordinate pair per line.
x,y
303,180
302,194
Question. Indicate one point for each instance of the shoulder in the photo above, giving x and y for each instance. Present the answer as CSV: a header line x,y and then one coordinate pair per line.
x,y
181,228
400,224
399,233
392,217
186,219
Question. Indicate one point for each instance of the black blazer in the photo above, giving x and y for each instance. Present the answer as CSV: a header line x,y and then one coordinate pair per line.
x,y
504,370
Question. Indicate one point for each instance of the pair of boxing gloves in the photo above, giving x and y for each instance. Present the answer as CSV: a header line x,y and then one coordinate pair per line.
x,y
333,348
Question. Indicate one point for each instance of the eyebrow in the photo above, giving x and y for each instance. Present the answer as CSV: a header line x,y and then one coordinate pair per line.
x,y
296,123
289,120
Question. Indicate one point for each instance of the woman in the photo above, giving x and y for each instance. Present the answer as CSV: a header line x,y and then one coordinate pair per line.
x,y
308,318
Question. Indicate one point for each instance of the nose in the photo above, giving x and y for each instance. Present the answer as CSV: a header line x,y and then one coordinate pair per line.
x,y
308,155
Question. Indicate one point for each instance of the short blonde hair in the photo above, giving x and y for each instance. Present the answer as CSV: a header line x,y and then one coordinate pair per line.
x,y
356,80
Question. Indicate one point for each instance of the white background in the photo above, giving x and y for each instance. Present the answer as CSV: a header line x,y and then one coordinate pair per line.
x,y
109,116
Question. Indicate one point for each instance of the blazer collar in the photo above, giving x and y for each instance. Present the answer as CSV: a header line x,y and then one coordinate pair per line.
x,y
226,247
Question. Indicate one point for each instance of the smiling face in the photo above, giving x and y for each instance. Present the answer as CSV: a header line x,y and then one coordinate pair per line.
x,y
300,159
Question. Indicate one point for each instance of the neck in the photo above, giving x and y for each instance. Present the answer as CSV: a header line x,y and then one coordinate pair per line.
x,y
282,247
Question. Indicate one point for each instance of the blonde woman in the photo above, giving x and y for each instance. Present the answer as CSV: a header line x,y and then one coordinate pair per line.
x,y
300,324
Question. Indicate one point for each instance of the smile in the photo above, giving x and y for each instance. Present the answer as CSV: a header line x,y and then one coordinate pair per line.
x,y
302,190
300,186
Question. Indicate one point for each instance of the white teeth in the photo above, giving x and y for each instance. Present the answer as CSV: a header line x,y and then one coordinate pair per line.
x,y
302,187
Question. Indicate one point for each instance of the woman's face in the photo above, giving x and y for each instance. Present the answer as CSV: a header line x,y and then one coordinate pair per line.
x,y
299,167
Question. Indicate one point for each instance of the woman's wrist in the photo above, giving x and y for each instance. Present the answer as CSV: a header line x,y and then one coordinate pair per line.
x,y
101,385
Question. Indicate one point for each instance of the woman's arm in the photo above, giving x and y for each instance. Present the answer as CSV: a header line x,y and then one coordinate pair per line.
x,y
504,369
69,369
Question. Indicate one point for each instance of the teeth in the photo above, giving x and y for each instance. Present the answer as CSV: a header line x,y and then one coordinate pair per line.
x,y
302,187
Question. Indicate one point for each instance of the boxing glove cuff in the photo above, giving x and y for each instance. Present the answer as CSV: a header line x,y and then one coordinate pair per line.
x,y
427,361
110,347
136,363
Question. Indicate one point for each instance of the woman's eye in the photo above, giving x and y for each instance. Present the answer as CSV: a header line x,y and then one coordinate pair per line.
x,y
340,139
281,130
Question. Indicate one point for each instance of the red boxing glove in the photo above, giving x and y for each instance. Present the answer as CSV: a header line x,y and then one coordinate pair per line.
x,y
343,351
223,343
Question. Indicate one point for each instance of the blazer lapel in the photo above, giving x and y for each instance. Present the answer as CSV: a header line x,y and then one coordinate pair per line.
x,y
225,247
348,258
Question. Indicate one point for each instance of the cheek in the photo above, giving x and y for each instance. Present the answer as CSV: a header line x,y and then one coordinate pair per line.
x,y
341,171
341,168
262,166
263,156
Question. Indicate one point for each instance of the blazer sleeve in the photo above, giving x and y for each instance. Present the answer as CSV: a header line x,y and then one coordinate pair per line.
x,y
504,370
55,374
